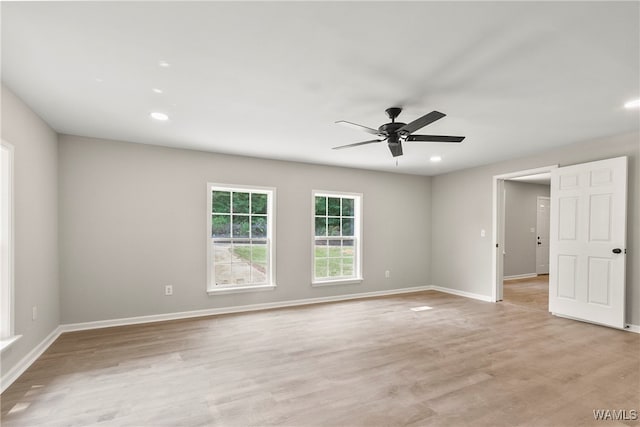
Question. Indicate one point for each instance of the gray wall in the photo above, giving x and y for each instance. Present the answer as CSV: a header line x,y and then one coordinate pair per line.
x,y
521,214
36,226
462,206
133,218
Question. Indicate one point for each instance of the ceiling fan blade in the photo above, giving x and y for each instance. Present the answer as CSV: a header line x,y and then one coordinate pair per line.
x,y
358,127
356,144
435,138
421,122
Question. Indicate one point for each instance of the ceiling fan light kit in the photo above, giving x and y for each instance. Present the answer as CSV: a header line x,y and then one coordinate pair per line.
x,y
395,133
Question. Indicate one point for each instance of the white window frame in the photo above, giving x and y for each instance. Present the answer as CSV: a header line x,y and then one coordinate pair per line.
x,y
357,236
217,289
7,310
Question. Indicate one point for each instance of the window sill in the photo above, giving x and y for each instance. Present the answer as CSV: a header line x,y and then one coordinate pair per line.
x,y
356,280
7,342
234,290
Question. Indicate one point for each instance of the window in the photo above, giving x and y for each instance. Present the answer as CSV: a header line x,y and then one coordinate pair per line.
x,y
240,230
336,238
6,247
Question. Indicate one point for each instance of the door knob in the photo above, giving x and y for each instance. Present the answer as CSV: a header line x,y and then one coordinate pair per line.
x,y
617,251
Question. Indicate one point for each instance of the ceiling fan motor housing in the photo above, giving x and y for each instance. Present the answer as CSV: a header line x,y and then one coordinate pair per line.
x,y
390,128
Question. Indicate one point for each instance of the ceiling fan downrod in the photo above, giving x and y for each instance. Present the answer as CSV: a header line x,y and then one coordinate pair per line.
x,y
393,112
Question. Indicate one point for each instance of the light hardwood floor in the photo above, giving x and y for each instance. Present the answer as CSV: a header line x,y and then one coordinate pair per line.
x,y
531,293
369,362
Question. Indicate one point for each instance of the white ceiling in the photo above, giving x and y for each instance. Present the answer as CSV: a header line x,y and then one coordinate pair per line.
x,y
269,79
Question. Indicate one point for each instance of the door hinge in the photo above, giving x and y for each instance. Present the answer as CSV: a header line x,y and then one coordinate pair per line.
x,y
497,245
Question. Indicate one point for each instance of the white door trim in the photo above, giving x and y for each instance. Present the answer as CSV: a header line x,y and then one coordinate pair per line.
x,y
497,270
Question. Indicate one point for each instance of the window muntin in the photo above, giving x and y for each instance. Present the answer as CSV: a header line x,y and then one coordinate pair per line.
x,y
336,237
240,234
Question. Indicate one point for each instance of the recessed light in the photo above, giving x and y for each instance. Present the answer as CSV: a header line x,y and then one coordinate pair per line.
x,y
99,80
632,104
435,158
164,64
156,90
159,116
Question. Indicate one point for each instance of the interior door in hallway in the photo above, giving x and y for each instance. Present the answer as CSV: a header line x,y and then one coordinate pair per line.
x,y
588,242
542,240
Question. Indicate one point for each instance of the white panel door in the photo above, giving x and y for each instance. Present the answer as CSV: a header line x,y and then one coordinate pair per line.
x,y
588,242
542,240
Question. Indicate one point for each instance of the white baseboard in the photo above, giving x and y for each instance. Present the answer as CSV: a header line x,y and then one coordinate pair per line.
x,y
70,327
462,293
28,360
633,328
520,276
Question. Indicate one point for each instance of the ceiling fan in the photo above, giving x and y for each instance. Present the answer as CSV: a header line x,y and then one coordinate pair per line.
x,y
395,133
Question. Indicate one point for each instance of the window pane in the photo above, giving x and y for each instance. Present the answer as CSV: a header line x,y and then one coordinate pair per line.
x,y
258,227
335,269
240,202
221,252
259,203
334,206
333,226
241,273
347,266
240,226
347,226
223,274
348,248
321,226
242,251
321,267
257,275
335,248
347,207
259,256
220,202
220,226
321,205
321,250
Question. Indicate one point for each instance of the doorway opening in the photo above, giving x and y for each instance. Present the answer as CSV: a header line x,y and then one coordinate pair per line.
x,y
521,237
526,241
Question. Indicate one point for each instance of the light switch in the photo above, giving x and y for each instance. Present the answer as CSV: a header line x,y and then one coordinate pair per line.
x,y
483,233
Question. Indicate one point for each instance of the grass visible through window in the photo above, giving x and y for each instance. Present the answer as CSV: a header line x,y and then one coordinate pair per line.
x,y
256,255
333,261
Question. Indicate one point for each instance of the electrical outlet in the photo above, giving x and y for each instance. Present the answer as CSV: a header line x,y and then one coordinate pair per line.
x,y
168,290
34,312
387,274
